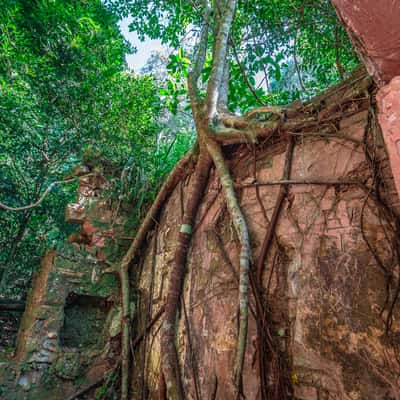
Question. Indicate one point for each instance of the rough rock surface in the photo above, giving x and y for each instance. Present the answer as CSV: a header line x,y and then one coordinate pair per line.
x,y
388,99
373,27
322,284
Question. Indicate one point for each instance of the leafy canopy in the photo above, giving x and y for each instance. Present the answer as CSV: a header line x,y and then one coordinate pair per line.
x,y
280,50
65,96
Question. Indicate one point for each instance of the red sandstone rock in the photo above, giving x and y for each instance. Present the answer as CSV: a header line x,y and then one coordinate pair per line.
x,y
388,99
373,27
325,291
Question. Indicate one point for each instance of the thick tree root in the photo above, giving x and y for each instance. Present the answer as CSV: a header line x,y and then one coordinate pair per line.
x,y
162,388
123,270
265,343
242,232
167,188
283,190
169,354
125,339
148,327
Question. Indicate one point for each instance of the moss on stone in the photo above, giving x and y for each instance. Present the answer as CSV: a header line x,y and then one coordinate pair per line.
x,y
68,366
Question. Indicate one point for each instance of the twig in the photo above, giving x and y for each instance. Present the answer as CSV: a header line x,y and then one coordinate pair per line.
x,y
316,181
169,185
11,305
296,62
153,321
214,387
86,389
192,355
244,75
94,384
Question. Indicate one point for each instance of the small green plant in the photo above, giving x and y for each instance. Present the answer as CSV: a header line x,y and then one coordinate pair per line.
x,y
48,379
80,381
27,366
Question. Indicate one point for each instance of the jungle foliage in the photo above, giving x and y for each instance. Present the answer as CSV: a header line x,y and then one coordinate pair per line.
x,y
280,50
66,98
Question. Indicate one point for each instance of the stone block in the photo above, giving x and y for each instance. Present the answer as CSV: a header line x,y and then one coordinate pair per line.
x,y
388,99
75,213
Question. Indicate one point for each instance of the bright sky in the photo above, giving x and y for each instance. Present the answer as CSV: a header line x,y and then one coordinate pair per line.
x,y
144,49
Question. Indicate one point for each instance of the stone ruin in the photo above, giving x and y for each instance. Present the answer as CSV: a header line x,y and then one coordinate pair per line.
x,y
68,336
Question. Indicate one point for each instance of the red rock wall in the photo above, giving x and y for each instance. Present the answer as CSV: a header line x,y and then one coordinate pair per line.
x,y
373,27
388,99
322,283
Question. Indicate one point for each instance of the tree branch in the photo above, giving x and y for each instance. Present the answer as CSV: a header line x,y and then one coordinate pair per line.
x,y
244,75
224,90
41,198
166,189
296,64
220,53
277,110
11,305
200,57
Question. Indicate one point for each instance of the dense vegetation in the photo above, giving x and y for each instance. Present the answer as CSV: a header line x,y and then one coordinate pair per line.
x,y
65,96
279,50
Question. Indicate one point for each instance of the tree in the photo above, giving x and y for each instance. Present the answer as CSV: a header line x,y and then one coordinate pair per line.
x,y
80,97
276,37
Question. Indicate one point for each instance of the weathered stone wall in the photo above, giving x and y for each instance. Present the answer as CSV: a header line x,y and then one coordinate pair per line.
x,y
50,360
373,29
324,289
68,337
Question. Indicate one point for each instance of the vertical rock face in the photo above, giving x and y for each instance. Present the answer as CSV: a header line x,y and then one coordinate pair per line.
x,y
373,27
325,279
388,99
